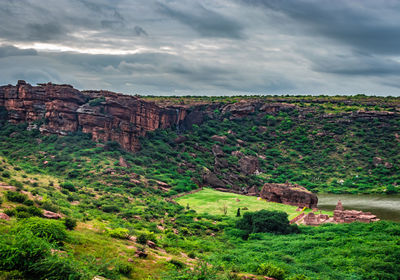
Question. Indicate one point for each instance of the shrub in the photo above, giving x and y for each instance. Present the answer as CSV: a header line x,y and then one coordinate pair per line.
x,y
16,197
10,212
110,208
1,201
28,202
271,270
26,212
54,267
141,238
70,223
18,251
53,231
121,233
68,186
6,174
265,221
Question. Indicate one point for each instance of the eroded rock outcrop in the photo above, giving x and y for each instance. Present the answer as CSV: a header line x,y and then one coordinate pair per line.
x,y
107,116
289,194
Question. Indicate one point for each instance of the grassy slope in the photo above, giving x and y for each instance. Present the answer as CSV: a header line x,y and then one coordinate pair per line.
x,y
212,202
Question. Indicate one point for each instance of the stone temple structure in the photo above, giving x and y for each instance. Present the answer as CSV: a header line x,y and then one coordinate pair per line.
x,y
348,216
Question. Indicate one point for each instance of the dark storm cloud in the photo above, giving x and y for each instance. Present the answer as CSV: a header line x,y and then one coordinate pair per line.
x,y
369,25
203,47
206,22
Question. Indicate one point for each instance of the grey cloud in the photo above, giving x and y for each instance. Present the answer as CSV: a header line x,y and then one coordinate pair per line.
x,y
44,32
355,64
206,22
204,47
372,26
139,31
13,51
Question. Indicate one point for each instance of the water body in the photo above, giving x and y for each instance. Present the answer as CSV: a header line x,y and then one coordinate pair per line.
x,y
386,207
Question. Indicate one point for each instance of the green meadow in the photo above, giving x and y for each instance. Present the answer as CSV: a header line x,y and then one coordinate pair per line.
x,y
209,201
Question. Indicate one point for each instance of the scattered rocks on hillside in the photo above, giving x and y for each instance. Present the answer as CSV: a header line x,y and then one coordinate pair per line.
x,y
291,194
220,163
249,165
122,162
4,216
51,215
262,129
181,139
212,180
221,139
151,244
217,151
377,161
237,153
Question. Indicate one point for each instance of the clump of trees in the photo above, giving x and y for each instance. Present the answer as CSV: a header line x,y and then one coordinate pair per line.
x,y
265,221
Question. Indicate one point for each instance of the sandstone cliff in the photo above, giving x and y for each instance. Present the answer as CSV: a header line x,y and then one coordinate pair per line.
x,y
107,116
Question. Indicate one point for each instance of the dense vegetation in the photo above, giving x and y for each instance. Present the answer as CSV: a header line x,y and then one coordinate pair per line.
x,y
119,221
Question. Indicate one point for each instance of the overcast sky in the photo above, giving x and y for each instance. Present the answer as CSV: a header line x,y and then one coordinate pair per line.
x,y
207,47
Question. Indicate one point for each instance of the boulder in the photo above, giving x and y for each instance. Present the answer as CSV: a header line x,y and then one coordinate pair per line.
x,y
291,194
221,139
211,179
181,139
122,162
4,216
249,165
51,215
217,151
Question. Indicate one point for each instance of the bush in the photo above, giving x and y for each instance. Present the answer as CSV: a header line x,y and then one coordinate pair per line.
x,y
10,212
265,221
271,270
70,223
6,174
26,212
16,197
18,251
54,267
53,231
142,238
68,186
121,233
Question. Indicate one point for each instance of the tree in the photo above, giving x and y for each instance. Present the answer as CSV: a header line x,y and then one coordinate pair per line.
x,y
265,221
238,213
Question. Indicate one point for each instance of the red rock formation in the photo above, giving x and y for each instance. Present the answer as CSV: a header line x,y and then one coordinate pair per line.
x,y
289,194
107,116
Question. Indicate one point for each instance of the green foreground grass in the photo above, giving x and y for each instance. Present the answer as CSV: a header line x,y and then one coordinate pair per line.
x,y
209,201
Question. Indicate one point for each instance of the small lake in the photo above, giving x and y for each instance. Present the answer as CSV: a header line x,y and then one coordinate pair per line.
x,y
386,207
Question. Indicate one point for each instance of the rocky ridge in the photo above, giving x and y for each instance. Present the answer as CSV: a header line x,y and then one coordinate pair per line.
x,y
109,116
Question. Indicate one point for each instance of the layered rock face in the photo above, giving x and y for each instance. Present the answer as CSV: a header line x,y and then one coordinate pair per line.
x,y
289,194
107,116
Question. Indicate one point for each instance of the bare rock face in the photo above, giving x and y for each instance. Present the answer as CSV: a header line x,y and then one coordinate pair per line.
x,y
212,180
249,165
107,116
289,194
